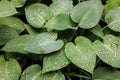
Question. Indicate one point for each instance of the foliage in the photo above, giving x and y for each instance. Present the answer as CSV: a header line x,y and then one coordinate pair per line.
x,y
59,40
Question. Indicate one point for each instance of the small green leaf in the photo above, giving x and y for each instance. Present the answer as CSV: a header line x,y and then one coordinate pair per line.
x,y
10,70
109,51
97,30
17,44
31,73
18,3
55,61
34,73
82,54
87,13
112,18
7,9
37,14
6,34
61,7
44,43
13,22
60,22
106,73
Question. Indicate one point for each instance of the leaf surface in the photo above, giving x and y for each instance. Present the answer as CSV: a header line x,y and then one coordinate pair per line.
x,y
87,13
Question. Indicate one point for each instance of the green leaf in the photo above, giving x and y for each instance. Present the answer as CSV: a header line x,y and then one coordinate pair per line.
x,y
6,34
34,72
106,73
31,73
17,44
111,4
97,30
82,54
18,3
112,18
7,9
37,14
44,43
61,7
13,22
109,51
10,70
87,13
53,76
55,61
60,22
2,59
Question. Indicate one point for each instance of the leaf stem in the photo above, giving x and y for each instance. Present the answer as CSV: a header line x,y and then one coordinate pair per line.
x,y
104,28
81,76
78,1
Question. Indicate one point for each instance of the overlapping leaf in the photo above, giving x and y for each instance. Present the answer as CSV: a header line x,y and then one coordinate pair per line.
x,y
112,18
60,22
106,73
6,34
55,61
82,53
34,72
87,13
61,7
17,44
44,43
31,73
10,70
109,51
18,3
37,14
13,22
7,9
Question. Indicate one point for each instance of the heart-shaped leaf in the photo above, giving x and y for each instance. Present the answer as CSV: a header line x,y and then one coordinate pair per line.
x,y
31,73
82,54
17,44
87,13
61,7
34,72
37,14
13,22
44,43
112,18
106,73
6,34
55,61
7,9
109,51
60,22
10,70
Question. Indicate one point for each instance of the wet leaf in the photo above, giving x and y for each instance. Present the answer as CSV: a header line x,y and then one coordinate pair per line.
x,y
13,22
6,34
37,14
106,73
55,61
109,50
17,44
112,18
44,43
82,53
60,22
7,9
10,70
61,7
87,13
31,73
